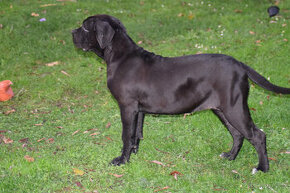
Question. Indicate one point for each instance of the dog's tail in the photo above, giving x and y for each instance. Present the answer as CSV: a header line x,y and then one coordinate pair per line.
x,y
263,82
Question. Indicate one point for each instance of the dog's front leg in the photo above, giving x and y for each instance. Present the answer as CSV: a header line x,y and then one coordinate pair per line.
x,y
129,122
138,132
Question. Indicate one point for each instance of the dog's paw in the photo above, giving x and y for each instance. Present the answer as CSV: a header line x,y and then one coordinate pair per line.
x,y
227,155
119,161
135,149
254,171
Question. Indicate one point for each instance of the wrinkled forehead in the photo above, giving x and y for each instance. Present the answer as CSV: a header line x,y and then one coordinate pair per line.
x,y
88,21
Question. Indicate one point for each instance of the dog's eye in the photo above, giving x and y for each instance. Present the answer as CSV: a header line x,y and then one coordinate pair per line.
x,y
85,29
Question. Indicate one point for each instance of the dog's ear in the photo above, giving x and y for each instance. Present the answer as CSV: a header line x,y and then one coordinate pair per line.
x,y
105,33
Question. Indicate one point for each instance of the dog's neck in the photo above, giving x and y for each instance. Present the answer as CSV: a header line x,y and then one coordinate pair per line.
x,y
121,48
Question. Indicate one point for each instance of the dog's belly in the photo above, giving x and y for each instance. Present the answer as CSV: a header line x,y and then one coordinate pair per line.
x,y
178,102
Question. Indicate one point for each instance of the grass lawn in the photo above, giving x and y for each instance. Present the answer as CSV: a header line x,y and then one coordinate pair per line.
x,y
62,128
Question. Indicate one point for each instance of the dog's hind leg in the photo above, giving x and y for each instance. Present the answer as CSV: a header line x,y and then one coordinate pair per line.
x,y
138,132
129,116
239,117
238,138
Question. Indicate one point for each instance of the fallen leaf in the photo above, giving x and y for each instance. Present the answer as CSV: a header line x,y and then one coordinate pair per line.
x,y
261,103
40,139
94,134
50,140
7,140
108,138
238,11
65,73
39,124
79,184
94,129
28,158
78,172
10,111
117,175
165,188
253,109
251,32
175,174
34,14
258,41
190,16
158,162
24,140
48,5
59,127
180,15
62,41
139,42
185,114
235,171
52,63
75,132
108,125
271,158
3,131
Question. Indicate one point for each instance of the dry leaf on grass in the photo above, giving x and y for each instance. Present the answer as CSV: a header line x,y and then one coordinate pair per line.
x,y
238,11
34,14
117,175
79,184
65,73
78,172
41,139
28,158
9,112
52,64
48,5
109,139
50,140
165,188
24,140
7,140
75,132
158,162
108,125
175,174
93,134
252,32
235,171
190,16
271,158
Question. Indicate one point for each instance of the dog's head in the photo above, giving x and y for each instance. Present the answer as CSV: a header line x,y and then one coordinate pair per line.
x,y
97,33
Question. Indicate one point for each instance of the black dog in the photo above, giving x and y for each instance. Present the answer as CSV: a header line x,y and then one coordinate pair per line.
x,y
143,82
